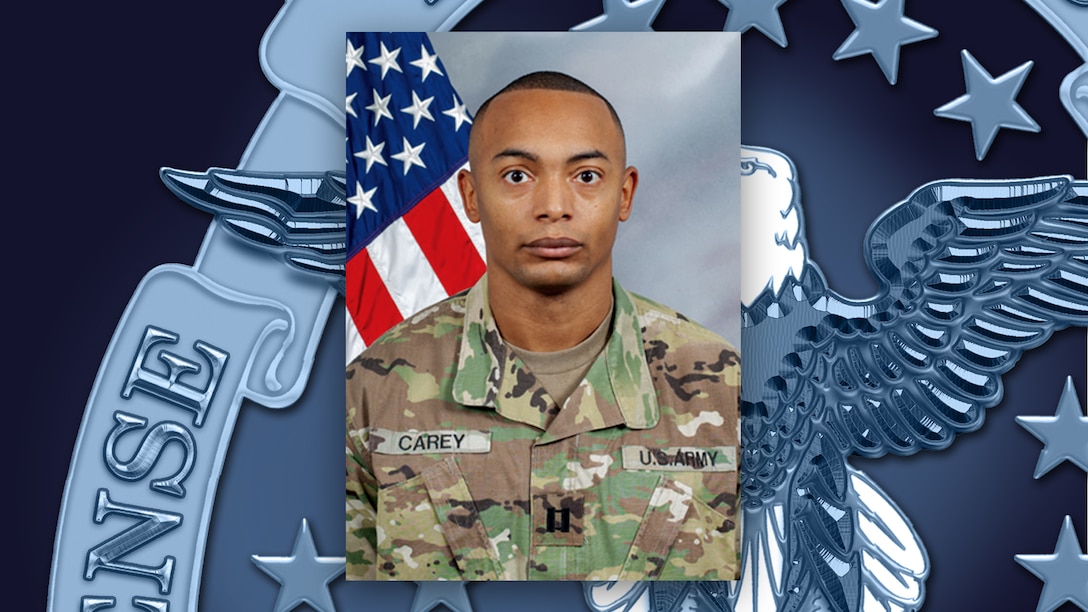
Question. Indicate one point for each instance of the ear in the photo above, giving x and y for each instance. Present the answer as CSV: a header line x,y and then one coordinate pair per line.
x,y
466,184
627,193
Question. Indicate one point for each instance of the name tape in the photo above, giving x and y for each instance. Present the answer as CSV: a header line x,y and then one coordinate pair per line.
x,y
387,442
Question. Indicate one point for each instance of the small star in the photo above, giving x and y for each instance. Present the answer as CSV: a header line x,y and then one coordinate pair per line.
x,y
622,16
1065,434
989,104
1063,573
347,106
880,30
418,109
410,155
354,58
760,14
372,155
380,107
387,60
450,594
459,114
362,199
427,63
304,577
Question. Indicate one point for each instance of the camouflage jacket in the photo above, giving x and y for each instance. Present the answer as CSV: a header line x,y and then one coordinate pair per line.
x,y
461,467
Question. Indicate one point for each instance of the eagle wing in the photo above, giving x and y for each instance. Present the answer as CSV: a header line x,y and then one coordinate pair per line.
x,y
973,274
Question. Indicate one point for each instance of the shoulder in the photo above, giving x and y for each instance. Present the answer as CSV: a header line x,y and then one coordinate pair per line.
x,y
662,325
433,332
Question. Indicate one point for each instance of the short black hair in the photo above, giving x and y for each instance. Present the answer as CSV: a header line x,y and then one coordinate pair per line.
x,y
554,81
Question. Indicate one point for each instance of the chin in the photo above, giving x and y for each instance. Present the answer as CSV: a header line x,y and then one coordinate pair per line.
x,y
551,287
552,283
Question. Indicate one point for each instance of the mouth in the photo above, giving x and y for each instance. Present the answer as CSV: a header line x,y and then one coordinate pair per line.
x,y
553,248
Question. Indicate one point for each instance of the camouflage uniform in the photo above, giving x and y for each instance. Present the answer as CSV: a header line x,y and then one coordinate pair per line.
x,y
461,467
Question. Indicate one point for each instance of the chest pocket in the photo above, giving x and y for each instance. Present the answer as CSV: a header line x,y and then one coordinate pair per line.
x,y
428,525
681,537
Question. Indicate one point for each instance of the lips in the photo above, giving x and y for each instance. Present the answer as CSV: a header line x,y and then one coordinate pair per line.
x,y
553,248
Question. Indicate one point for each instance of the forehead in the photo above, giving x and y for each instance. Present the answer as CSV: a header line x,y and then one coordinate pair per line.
x,y
527,115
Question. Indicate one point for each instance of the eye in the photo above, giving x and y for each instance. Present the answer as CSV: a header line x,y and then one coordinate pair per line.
x,y
588,177
515,177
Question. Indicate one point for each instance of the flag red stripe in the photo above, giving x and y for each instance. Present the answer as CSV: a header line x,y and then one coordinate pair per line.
x,y
367,300
444,242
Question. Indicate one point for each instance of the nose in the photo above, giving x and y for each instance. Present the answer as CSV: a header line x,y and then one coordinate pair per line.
x,y
552,199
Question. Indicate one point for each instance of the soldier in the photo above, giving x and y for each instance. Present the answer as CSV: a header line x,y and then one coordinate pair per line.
x,y
546,424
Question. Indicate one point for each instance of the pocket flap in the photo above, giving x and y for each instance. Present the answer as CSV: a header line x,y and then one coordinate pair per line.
x,y
460,522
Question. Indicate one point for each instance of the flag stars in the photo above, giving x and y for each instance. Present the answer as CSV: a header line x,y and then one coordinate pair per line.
x,y
387,60
380,107
459,114
362,200
410,155
373,154
348,108
427,63
354,58
418,109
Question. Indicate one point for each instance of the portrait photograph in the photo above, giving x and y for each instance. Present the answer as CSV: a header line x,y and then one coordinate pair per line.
x,y
543,294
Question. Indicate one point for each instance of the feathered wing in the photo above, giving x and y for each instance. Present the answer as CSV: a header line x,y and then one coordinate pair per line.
x,y
845,546
973,274
299,216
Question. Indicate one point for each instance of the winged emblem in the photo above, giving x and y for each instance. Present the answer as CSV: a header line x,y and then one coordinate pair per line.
x,y
972,274
298,216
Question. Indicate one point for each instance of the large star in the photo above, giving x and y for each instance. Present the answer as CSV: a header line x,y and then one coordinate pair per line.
x,y
989,104
622,16
418,109
362,200
304,577
1064,573
880,30
459,114
432,594
427,63
760,14
410,155
372,155
1065,435
354,58
387,60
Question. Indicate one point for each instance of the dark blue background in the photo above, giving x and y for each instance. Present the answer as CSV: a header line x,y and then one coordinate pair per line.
x,y
100,96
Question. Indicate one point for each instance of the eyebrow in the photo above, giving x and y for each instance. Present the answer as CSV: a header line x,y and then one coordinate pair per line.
x,y
577,157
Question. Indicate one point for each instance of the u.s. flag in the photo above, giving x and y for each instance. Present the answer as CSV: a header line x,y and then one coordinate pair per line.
x,y
409,242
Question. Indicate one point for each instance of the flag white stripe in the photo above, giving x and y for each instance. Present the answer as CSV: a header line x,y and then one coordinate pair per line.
x,y
453,196
404,269
382,251
353,342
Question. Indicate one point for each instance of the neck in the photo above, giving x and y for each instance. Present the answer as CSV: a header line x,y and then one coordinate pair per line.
x,y
550,322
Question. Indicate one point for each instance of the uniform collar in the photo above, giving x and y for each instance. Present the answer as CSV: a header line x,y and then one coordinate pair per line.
x,y
490,375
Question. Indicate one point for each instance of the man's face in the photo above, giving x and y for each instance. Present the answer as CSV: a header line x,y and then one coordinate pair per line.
x,y
549,187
